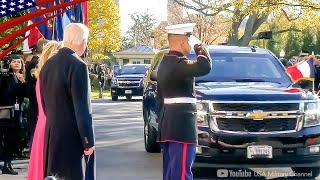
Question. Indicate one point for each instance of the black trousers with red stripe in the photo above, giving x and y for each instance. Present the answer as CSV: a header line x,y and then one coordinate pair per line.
x,y
177,160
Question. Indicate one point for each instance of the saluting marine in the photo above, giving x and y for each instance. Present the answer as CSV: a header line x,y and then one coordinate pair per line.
x,y
177,102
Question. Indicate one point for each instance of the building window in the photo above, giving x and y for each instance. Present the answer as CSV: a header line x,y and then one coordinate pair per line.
x,y
136,62
125,61
147,61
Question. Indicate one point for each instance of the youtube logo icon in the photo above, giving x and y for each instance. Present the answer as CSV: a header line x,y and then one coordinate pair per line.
x,y
222,173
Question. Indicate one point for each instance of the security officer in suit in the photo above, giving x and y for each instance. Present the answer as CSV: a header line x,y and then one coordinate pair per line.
x,y
31,64
316,63
177,102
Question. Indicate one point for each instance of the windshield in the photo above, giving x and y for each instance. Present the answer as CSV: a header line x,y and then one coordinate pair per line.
x,y
245,67
139,69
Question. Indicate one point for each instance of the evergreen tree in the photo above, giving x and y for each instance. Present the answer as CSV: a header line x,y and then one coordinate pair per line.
x,y
317,44
271,43
307,41
292,47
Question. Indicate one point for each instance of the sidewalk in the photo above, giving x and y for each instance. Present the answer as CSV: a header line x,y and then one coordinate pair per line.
x,y
20,166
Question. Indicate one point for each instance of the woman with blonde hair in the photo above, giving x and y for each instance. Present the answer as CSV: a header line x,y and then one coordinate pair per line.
x,y
51,48
36,163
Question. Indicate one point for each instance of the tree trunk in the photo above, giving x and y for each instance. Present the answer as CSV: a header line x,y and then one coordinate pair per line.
x,y
253,24
234,36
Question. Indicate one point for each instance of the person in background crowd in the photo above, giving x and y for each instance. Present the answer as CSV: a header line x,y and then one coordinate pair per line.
x,y
13,89
101,78
96,68
27,56
286,63
304,56
31,88
36,162
65,93
91,68
293,60
316,62
108,76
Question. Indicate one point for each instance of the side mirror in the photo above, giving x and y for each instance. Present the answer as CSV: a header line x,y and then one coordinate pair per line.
x,y
153,76
305,84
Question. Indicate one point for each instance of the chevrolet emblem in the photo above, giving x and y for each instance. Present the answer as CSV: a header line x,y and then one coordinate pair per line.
x,y
257,115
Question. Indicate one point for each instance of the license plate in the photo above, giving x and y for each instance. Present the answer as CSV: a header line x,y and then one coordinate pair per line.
x,y
259,152
128,91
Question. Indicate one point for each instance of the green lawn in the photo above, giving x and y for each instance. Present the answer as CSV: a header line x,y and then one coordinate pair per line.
x,y
95,93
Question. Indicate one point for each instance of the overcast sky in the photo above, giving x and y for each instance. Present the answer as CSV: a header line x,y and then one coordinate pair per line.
x,y
156,7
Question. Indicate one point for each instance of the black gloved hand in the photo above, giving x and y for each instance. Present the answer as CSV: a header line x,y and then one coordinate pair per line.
x,y
200,50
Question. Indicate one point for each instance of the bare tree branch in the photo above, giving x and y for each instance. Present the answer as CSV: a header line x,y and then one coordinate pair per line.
x,y
257,13
279,32
248,36
315,6
259,22
234,33
287,16
249,29
286,30
204,8
189,6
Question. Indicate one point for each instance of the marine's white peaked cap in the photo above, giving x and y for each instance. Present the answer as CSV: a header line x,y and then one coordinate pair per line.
x,y
183,29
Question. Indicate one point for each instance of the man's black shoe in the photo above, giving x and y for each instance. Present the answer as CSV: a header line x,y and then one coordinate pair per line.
x,y
7,169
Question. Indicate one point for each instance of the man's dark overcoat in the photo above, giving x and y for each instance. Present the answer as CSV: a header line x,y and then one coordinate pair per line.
x,y
65,91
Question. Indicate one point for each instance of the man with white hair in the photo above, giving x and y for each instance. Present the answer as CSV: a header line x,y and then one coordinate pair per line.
x,y
65,92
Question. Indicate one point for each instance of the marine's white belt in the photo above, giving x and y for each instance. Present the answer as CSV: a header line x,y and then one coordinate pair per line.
x,y
180,100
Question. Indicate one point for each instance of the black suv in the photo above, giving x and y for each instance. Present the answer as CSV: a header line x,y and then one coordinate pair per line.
x,y
250,114
128,81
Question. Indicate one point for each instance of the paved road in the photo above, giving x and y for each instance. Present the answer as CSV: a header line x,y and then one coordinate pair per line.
x,y
120,149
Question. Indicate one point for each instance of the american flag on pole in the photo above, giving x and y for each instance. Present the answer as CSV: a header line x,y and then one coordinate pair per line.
x,y
8,7
41,18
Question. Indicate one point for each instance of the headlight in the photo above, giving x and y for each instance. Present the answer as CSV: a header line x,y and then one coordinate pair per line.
x,y
114,81
202,114
312,114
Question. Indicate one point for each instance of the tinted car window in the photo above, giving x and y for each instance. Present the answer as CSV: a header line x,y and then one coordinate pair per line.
x,y
133,69
246,67
116,69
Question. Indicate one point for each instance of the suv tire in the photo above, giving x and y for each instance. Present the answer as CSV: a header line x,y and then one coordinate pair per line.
x,y
128,97
150,137
114,98
315,170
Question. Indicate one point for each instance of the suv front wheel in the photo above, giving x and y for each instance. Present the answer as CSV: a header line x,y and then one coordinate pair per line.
x,y
150,137
114,98
315,171
128,97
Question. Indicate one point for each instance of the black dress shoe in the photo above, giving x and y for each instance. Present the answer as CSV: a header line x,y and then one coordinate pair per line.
x,y
7,169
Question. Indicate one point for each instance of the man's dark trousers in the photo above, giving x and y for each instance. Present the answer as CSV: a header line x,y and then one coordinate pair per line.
x,y
177,160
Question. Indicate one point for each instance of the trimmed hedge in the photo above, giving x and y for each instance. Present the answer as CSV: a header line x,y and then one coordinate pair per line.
x,y
94,81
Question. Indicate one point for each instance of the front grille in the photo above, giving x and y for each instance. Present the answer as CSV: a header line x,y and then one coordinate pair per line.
x,y
129,84
246,125
256,106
